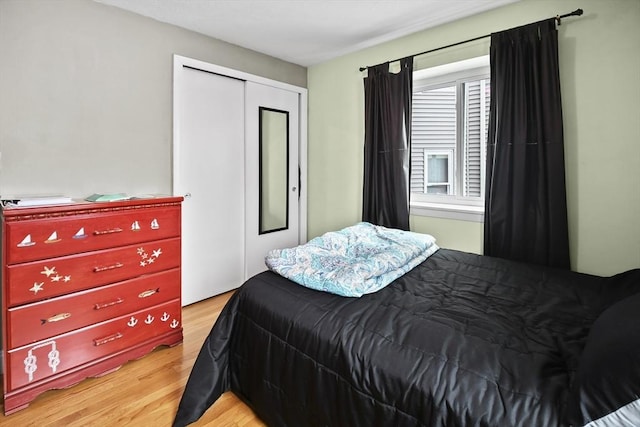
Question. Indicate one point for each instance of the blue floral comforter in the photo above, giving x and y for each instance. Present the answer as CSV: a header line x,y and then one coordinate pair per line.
x,y
354,261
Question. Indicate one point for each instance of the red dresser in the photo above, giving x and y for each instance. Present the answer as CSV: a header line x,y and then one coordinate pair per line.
x,y
85,288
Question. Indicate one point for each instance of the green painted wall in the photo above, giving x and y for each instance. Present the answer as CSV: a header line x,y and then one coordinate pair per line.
x,y
600,75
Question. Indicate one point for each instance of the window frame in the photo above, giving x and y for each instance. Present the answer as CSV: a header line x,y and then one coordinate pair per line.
x,y
455,206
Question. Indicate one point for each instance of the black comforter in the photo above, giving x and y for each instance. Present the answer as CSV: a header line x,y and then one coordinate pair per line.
x,y
461,340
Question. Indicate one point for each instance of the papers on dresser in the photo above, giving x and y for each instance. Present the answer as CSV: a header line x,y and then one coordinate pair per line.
x,y
24,202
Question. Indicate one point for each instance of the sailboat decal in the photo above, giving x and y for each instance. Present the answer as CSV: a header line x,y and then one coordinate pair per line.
x,y
154,224
53,238
135,226
26,242
80,234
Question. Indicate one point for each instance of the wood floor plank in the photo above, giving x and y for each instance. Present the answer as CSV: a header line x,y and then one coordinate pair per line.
x,y
143,392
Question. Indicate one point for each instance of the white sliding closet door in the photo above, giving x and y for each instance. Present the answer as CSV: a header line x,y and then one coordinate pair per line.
x,y
209,171
272,177
240,161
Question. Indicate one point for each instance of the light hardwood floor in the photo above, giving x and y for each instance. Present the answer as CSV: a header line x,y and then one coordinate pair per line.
x,y
142,392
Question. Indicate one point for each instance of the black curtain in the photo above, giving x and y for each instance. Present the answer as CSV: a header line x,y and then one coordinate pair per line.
x,y
525,199
387,141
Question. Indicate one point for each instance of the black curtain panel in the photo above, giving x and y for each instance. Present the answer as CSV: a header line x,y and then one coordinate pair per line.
x,y
525,199
387,140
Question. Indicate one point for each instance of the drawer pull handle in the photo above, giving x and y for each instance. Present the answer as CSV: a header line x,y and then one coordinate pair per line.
x,y
108,267
105,340
108,304
56,318
109,231
148,293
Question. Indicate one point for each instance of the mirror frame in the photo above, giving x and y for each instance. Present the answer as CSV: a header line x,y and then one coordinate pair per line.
x,y
261,169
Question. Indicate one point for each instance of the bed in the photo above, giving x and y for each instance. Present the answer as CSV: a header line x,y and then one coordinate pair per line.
x,y
458,340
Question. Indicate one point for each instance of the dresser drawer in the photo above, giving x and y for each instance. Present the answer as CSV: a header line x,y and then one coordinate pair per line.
x,y
44,319
35,239
41,360
49,278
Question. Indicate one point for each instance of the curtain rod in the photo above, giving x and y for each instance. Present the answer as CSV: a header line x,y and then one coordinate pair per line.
x,y
577,12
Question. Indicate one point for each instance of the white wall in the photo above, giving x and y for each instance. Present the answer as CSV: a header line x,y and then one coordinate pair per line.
x,y
600,65
86,95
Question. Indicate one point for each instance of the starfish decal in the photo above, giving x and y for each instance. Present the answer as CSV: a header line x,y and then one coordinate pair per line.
x,y
37,287
48,271
146,259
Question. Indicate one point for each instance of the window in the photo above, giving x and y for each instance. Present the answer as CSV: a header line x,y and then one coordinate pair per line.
x,y
448,138
438,175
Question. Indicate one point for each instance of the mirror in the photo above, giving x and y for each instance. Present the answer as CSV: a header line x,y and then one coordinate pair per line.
x,y
274,179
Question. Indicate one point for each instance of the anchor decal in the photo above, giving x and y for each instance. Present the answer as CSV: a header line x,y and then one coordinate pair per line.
x,y
165,316
132,321
174,323
149,320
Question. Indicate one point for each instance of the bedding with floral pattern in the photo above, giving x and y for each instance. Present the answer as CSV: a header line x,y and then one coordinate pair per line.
x,y
354,261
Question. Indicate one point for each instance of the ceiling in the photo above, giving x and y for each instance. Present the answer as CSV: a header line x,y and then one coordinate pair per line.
x,y
306,32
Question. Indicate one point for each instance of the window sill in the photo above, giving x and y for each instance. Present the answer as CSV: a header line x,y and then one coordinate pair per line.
x,y
448,211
